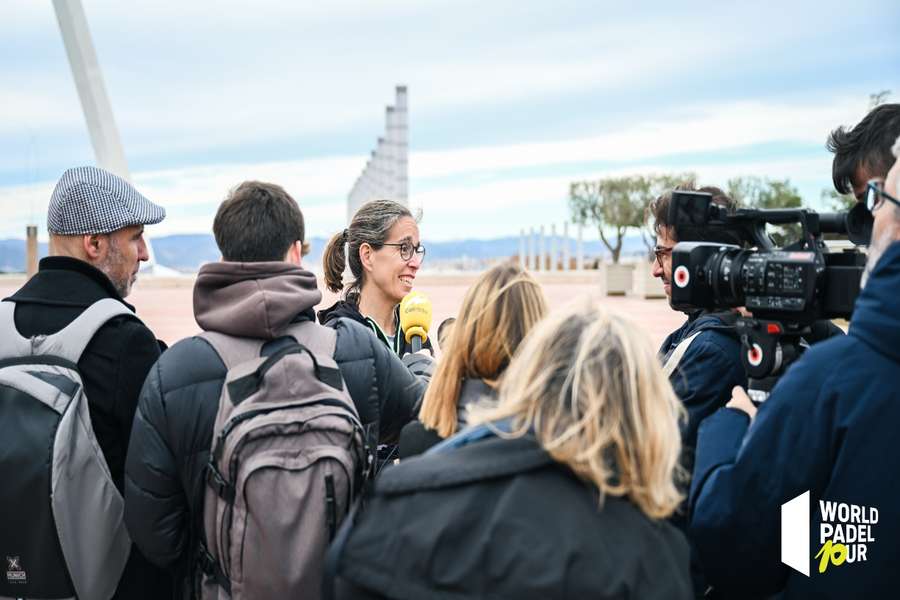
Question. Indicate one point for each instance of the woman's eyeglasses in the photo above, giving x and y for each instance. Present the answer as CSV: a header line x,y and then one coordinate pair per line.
x,y
407,250
875,195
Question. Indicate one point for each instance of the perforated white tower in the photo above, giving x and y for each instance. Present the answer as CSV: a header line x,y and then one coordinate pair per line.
x,y
386,174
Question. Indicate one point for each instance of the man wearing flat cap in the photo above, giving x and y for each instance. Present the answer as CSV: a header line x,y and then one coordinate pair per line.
x,y
96,224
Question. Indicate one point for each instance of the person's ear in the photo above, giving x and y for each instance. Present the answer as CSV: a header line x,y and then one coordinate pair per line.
x,y
367,257
94,246
295,253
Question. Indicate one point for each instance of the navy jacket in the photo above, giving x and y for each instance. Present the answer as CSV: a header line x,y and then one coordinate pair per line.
x,y
707,372
830,427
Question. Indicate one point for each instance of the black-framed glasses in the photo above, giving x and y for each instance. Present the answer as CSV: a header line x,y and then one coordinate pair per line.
x,y
407,250
875,195
660,252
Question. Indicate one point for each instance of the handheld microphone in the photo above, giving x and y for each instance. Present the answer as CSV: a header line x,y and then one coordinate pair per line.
x,y
415,319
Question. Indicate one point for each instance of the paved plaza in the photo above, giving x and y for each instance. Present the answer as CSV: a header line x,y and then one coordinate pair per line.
x,y
165,304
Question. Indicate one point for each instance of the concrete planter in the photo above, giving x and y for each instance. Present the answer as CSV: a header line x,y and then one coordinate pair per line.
x,y
615,280
645,285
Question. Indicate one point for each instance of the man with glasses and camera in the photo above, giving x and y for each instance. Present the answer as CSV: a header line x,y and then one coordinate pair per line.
x,y
702,357
828,430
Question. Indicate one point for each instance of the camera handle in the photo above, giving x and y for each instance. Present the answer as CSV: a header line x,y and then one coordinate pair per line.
x,y
767,351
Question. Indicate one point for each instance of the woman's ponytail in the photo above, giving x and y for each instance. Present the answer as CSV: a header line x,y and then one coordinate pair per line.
x,y
334,260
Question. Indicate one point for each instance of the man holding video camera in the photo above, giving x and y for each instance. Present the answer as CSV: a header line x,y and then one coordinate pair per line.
x,y
827,428
702,357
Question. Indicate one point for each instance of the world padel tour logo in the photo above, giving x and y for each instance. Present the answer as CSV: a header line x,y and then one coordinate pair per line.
x,y
844,536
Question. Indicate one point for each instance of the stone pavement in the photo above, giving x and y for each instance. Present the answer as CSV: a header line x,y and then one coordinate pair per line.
x,y
165,304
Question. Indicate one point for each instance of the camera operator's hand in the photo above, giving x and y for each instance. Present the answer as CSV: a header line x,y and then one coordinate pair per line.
x,y
741,401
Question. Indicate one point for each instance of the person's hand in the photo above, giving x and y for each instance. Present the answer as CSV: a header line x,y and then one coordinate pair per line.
x,y
741,401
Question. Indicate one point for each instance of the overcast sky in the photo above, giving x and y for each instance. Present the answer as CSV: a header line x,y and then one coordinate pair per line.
x,y
509,100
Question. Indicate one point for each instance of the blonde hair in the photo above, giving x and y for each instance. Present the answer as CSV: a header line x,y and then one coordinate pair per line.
x,y
496,314
589,385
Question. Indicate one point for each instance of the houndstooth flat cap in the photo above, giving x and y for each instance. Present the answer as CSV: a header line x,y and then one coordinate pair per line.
x,y
88,200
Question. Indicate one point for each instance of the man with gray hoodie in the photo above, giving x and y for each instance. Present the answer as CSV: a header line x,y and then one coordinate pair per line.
x,y
257,291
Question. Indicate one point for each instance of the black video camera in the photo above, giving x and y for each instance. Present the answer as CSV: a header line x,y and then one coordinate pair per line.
x,y
786,289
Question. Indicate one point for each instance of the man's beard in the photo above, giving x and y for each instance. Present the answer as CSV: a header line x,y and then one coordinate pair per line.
x,y
876,249
113,262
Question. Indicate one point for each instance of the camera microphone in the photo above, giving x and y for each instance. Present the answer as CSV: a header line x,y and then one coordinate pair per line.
x,y
415,319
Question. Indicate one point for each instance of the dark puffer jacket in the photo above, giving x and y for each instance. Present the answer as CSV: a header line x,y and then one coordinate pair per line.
x,y
173,427
347,310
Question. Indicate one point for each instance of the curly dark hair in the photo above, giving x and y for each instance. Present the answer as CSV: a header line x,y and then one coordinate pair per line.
x,y
866,145
659,209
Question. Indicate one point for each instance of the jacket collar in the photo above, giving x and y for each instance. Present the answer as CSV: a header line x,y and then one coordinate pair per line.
x,y
485,459
341,308
876,319
66,281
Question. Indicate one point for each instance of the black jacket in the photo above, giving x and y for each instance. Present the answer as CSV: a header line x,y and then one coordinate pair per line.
x,y
416,438
112,367
174,424
348,310
500,519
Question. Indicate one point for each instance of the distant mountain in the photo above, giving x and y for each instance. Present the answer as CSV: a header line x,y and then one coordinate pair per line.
x,y
12,255
187,252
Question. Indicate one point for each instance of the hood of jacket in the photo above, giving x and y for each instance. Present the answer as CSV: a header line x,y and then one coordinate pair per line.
x,y
470,393
256,300
876,316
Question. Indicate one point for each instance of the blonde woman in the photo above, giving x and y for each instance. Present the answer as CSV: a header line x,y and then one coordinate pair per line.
x,y
562,492
503,305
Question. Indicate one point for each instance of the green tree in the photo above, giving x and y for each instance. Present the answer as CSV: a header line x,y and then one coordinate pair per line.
x,y
653,186
837,201
759,192
613,205
878,98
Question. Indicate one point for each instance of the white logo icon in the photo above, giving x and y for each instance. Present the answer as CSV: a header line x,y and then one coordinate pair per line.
x,y
795,533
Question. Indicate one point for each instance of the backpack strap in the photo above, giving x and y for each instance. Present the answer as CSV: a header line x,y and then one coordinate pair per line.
x,y
69,342
319,339
13,345
678,353
231,349
333,554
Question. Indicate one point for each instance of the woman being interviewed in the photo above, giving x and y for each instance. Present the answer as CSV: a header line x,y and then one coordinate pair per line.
x,y
561,493
384,256
503,305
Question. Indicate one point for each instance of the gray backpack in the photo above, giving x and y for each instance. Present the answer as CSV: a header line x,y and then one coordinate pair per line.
x,y
62,533
288,456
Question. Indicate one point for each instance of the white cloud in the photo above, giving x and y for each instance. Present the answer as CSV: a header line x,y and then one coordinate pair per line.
x,y
489,191
702,129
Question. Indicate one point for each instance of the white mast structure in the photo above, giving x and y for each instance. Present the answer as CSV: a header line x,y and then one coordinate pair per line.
x,y
95,103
